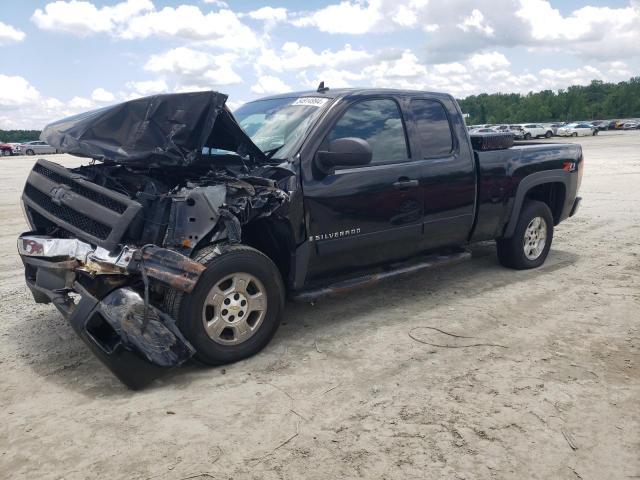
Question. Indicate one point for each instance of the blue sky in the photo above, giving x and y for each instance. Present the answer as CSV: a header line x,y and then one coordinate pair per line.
x,y
66,56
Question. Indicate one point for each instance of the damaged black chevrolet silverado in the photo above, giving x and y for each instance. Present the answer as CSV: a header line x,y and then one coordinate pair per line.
x,y
191,225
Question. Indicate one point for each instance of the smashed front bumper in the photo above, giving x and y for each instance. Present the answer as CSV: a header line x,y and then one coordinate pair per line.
x,y
92,289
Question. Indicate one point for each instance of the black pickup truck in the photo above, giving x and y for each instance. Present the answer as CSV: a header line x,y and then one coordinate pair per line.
x,y
191,225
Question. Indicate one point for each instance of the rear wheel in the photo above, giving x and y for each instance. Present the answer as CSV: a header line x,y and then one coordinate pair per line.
x,y
574,134
30,152
235,308
527,136
595,132
548,134
531,240
6,153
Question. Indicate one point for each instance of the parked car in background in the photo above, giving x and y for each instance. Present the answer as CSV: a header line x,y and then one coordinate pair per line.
x,y
36,147
555,126
482,130
601,125
631,126
577,130
517,131
6,149
15,147
535,130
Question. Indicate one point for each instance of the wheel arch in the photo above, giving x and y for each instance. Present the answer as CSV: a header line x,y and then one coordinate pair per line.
x,y
549,187
274,238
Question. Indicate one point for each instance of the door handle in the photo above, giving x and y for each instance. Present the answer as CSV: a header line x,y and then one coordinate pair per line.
x,y
405,183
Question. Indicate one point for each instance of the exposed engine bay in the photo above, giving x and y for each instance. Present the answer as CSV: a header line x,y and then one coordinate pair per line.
x,y
110,239
184,207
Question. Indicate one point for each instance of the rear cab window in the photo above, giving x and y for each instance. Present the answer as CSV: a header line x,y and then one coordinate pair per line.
x,y
434,134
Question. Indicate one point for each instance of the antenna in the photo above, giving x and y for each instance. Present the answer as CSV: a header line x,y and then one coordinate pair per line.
x,y
322,88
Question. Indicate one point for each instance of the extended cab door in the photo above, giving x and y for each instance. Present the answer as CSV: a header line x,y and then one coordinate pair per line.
x,y
446,170
357,217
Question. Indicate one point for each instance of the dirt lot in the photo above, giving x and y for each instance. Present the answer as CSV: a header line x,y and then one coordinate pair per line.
x,y
344,391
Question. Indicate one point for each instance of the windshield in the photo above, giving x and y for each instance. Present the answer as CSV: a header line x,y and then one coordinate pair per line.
x,y
276,125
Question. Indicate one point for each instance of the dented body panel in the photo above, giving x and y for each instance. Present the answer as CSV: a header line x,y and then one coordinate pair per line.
x,y
110,240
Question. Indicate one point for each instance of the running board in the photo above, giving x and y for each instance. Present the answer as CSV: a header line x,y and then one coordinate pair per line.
x,y
373,278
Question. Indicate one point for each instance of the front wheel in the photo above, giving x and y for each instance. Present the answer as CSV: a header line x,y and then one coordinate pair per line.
x,y
30,152
574,134
548,134
527,136
531,240
235,308
595,132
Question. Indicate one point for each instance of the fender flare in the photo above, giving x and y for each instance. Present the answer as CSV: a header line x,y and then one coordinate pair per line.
x,y
526,184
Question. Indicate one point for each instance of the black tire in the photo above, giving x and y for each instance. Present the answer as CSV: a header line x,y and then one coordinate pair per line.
x,y
595,132
527,136
548,134
30,152
6,153
511,252
187,309
574,134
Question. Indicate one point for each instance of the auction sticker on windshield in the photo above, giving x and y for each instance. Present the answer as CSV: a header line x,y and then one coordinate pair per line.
x,y
311,101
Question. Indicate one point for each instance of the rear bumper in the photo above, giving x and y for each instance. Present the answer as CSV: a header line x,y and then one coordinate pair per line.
x,y
137,342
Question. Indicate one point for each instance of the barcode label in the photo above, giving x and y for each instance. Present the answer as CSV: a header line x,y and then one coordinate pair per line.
x,y
311,101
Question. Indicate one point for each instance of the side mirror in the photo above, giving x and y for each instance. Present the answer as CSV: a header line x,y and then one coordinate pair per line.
x,y
345,152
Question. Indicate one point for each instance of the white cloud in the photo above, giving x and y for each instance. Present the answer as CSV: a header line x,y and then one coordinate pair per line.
x,y
344,17
293,56
269,14
222,28
584,30
132,19
268,84
476,21
489,61
407,67
83,18
81,103
195,68
102,96
23,106
331,77
16,91
146,87
9,34
217,3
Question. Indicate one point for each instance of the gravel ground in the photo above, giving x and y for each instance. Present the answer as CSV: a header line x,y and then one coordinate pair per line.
x,y
343,390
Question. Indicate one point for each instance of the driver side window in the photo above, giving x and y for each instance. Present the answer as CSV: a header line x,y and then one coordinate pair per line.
x,y
379,123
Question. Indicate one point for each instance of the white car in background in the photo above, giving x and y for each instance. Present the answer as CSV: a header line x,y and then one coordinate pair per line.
x,y
577,130
631,126
36,147
536,130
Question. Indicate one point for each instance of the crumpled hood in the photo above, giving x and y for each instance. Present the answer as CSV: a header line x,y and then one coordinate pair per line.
x,y
161,130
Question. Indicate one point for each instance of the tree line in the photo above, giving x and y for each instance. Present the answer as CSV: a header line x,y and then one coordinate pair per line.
x,y
596,101
19,136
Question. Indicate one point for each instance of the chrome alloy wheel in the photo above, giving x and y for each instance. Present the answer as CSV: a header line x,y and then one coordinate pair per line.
x,y
234,309
535,238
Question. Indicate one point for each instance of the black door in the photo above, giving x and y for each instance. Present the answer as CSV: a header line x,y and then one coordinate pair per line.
x,y
357,217
447,172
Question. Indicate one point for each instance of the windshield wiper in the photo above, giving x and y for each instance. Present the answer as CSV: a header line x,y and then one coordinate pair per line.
x,y
271,152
